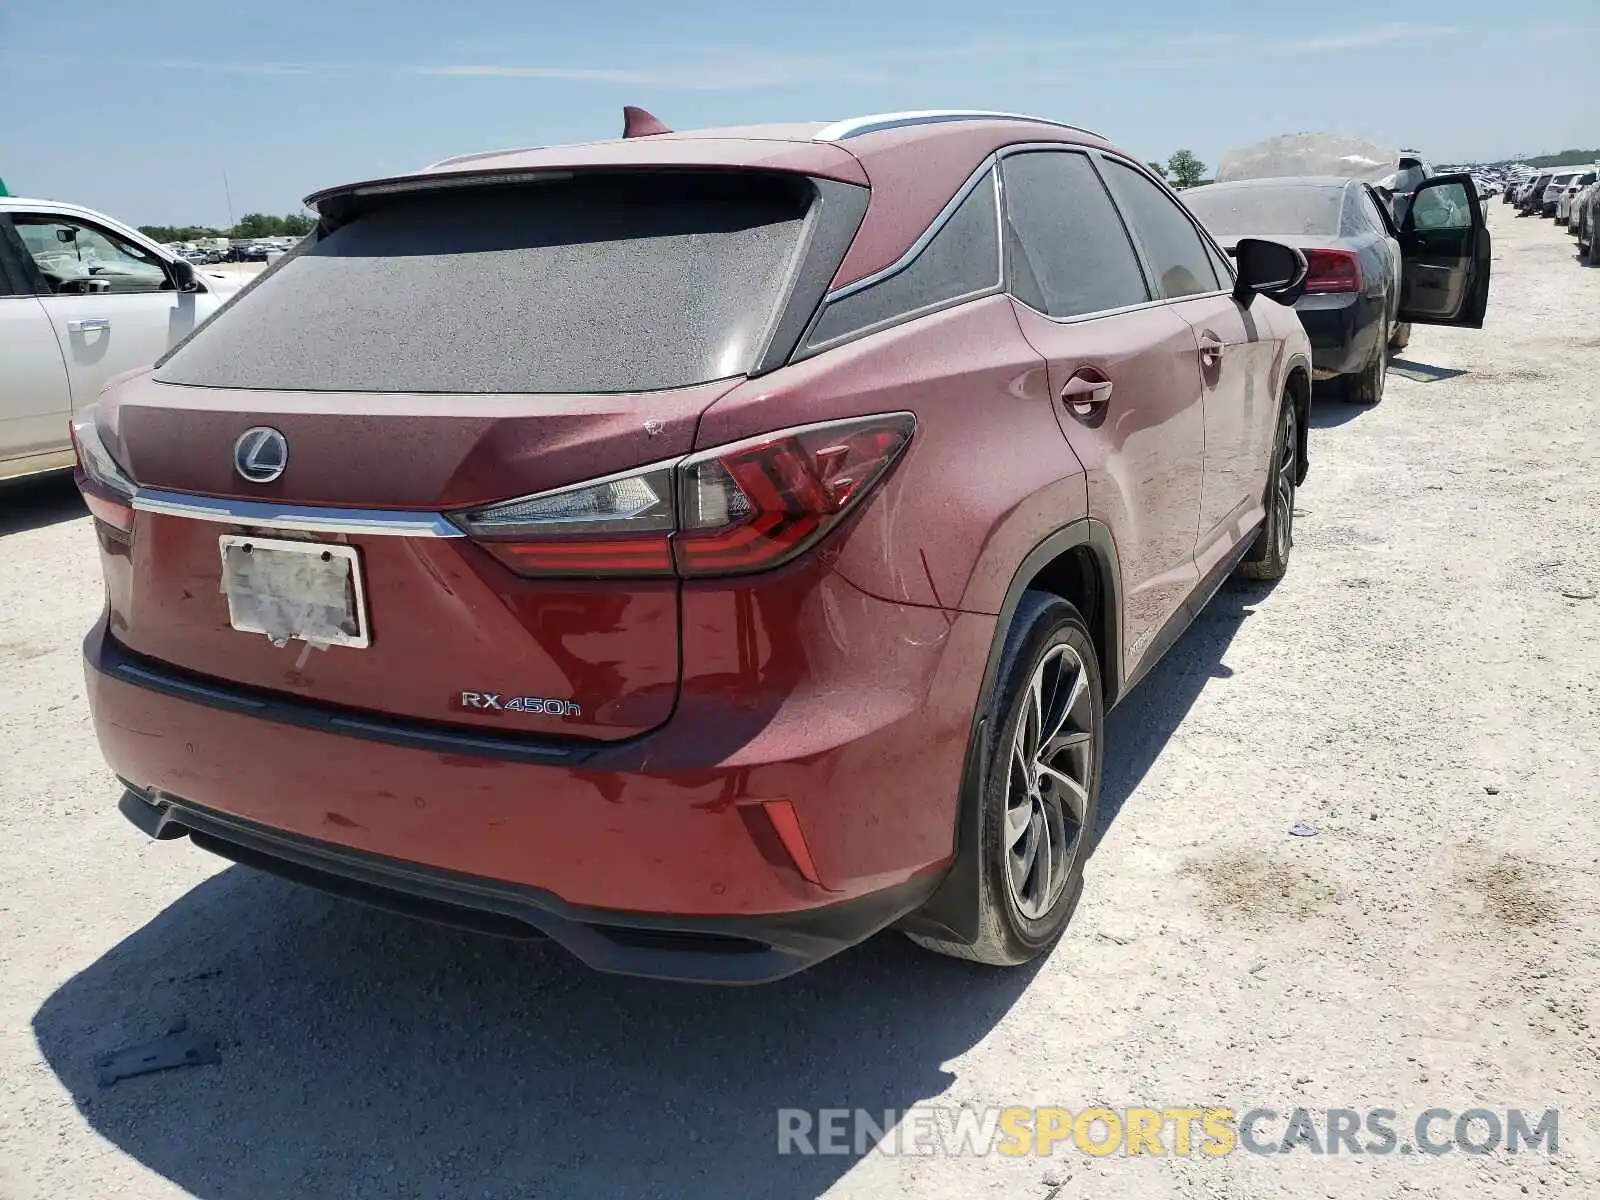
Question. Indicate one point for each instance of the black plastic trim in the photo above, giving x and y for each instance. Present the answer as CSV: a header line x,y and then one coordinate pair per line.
x,y
952,911
104,654
698,949
836,216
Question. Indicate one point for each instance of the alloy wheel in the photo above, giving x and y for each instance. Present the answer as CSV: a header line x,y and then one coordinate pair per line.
x,y
1283,487
1047,787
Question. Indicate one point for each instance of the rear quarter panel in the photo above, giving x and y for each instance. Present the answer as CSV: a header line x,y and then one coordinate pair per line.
x,y
988,474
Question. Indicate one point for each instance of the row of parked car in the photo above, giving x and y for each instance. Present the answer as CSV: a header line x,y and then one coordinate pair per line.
x,y
262,251
778,511
1570,196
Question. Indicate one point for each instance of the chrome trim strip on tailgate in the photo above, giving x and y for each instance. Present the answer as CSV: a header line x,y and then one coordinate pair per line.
x,y
264,514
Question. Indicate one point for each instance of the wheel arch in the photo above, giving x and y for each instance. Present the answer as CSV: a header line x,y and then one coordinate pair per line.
x,y
1297,384
1078,563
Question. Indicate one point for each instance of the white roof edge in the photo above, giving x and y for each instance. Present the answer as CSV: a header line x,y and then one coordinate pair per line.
x,y
875,122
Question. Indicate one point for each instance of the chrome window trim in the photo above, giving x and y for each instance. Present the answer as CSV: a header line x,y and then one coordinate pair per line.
x,y
916,248
266,514
1138,245
992,163
877,122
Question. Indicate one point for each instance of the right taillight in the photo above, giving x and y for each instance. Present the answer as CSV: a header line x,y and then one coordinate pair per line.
x,y
736,509
1333,271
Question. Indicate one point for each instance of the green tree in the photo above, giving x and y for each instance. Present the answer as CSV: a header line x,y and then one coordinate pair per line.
x,y
1185,169
177,233
258,225
296,225
1157,168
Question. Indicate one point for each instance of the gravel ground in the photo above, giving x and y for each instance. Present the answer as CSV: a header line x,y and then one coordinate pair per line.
x,y
1421,690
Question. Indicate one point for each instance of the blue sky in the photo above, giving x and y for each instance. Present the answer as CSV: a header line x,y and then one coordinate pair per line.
x,y
139,108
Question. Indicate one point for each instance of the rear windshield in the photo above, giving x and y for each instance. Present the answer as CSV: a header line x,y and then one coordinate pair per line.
x,y
1233,212
611,283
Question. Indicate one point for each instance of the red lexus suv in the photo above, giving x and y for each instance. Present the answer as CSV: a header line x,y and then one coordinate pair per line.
x,y
703,549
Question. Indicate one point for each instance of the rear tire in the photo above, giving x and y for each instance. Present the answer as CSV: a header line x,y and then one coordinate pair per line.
x,y
1594,249
1268,557
1366,385
1041,792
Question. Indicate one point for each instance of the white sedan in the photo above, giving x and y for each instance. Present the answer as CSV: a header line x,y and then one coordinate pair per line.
x,y
82,298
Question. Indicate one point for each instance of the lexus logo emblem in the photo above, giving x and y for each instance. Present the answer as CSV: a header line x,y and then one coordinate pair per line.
x,y
261,454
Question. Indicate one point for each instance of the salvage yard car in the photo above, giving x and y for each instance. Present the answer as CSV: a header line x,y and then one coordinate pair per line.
x,y
707,549
1367,280
83,298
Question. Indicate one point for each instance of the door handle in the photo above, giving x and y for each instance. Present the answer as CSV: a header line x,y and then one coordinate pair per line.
x,y
1211,347
1085,396
88,324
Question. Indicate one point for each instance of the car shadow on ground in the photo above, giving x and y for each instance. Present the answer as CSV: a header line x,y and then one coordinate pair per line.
x,y
1423,372
1140,727
1329,408
366,1054
34,503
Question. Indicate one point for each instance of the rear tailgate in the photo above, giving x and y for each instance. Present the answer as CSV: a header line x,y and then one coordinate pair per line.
x,y
439,352
445,618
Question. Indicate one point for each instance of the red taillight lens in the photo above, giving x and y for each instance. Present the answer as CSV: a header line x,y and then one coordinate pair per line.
x,y
1332,271
736,509
107,491
759,503
621,525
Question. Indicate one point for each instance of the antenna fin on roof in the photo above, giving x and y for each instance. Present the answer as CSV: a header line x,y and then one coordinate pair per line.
x,y
638,123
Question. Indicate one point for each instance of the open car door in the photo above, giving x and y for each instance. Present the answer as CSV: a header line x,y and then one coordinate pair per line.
x,y
1444,251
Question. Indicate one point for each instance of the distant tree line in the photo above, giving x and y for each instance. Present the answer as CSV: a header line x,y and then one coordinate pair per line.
x,y
1567,158
253,225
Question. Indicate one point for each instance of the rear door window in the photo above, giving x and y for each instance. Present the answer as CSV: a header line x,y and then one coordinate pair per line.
x,y
590,283
1068,250
1172,245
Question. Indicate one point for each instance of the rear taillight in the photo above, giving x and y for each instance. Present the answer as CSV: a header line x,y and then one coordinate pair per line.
x,y
620,525
736,509
107,490
1333,271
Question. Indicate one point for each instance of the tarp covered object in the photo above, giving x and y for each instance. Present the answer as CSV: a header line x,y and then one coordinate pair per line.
x,y
1309,154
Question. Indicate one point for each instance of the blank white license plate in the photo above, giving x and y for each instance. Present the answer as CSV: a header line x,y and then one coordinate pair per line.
x,y
306,591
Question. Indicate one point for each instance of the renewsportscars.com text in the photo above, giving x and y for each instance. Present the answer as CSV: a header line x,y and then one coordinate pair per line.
x,y
1181,1131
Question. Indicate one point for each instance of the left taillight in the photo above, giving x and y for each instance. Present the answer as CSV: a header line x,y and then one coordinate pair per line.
x,y
744,507
106,488
1332,271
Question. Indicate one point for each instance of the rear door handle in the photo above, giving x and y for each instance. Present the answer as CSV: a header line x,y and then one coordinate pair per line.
x,y
1211,347
1084,396
88,324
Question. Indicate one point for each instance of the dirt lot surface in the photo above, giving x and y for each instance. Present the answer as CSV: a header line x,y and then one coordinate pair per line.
x,y
1421,691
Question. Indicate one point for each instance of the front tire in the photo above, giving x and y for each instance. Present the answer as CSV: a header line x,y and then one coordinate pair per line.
x,y
1268,557
1400,336
1041,792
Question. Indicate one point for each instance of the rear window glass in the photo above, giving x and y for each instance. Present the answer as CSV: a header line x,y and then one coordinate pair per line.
x,y
1234,212
605,283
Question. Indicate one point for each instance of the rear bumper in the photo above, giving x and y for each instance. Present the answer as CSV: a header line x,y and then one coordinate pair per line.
x,y
674,831
728,950
1342,329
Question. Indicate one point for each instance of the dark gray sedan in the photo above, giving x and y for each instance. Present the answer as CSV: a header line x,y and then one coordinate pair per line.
x,y
1362,268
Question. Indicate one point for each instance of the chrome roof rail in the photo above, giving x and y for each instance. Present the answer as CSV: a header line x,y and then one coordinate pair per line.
x,y
876,122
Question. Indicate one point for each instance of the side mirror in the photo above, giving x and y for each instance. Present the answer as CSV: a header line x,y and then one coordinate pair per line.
x,y
183,276
1270,269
